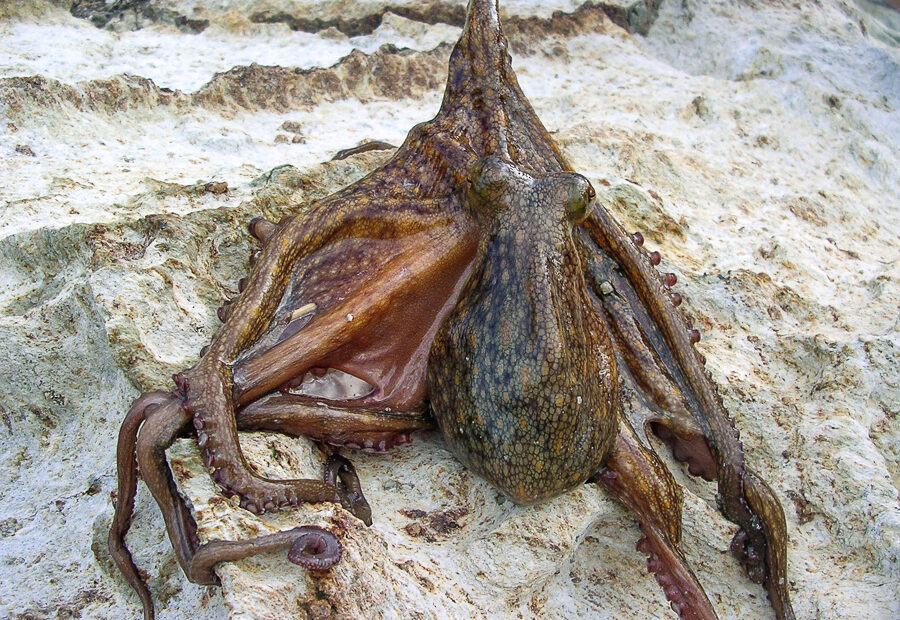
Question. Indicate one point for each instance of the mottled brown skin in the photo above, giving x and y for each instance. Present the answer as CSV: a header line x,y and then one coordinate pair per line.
x,y
519,371
472,273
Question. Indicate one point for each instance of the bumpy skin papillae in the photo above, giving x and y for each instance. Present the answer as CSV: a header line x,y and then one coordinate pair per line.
x,y
522,375
363,283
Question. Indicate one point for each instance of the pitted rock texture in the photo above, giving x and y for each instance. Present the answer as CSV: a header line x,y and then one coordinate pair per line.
x,y
755,144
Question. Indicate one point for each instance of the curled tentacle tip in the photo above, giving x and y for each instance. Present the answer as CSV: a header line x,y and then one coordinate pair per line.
x,y
737,544
210,457
694,336
655,258
638,238
315,548
360,508
670,279
340,473
261,228
676,299
181,382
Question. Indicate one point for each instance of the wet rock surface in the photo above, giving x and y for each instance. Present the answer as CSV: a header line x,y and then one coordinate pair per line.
x,y
755,144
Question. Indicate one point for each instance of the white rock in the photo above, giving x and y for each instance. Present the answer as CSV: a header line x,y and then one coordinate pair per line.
x,y
755,144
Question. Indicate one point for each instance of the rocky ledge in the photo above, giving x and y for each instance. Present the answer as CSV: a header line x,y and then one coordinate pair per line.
x,y
756,144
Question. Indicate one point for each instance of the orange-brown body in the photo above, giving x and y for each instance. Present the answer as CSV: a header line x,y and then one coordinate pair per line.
x,y
471,273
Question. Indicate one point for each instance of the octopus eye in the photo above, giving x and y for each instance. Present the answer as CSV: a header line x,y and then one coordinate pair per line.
x,y
580,196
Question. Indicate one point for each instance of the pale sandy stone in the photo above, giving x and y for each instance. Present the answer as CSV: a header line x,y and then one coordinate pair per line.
x,y
755,144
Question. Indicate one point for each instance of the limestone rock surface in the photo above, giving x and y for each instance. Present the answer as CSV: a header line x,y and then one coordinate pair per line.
x,y
756,145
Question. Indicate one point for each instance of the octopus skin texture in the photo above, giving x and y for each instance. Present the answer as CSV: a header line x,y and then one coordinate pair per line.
x,y
469,283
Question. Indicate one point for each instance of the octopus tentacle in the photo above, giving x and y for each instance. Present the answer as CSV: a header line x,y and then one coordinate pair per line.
x,y
165,418
206,391
679,584
315,549
340,473
328,222
163,424
261,228
714,439
127,489
638,479
309,546
387,305
217,437
373,145
647,367
763,502
209,387
336,424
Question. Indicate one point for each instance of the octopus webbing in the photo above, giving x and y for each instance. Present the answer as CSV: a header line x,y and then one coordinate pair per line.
x,y
470,283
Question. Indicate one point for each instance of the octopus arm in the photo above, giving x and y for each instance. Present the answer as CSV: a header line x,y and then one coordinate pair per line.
x,y
422,231
157,420
656,344
636,476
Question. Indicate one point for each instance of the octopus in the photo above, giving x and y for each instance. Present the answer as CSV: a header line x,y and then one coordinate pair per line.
x,y
470,283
